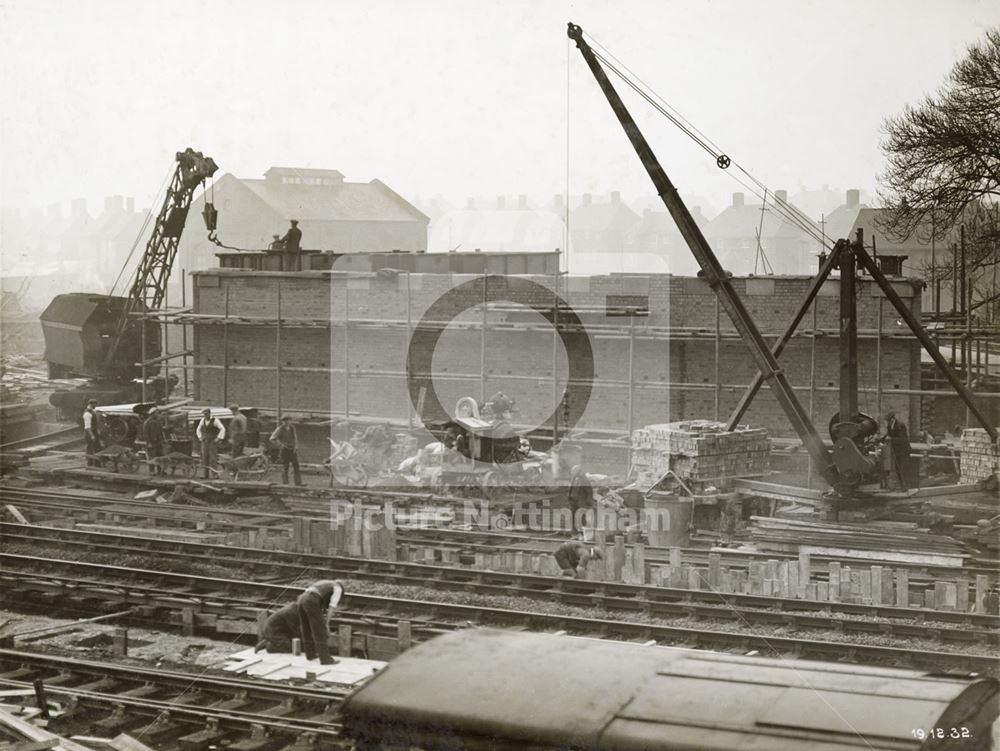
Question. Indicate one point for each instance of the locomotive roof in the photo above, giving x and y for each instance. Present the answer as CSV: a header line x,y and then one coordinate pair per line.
x,y
504,689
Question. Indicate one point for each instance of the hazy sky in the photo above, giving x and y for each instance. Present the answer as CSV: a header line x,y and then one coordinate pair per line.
x,y
458,97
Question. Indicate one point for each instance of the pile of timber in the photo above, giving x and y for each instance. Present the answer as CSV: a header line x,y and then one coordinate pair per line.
x,y
980,456
701,450
892,541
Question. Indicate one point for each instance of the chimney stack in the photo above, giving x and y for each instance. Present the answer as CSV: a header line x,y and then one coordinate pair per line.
x,y
853,198
616,197
500,202
113,203
587,199
737,199
522,201
130,204
781,196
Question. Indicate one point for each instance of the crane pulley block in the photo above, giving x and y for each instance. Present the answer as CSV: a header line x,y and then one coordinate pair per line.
x,y
211,216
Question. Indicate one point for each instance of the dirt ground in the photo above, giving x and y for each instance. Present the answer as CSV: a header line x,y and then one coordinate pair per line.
x,y
94,641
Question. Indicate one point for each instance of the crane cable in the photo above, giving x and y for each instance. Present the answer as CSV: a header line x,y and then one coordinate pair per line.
x,y
786,212
142,230
791,213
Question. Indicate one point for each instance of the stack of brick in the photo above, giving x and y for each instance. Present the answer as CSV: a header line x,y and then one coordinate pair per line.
x,y
980,456
700,450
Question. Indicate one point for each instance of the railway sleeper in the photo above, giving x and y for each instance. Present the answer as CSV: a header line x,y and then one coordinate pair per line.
x,y
328,715
305,742
258,740
60,679
210,736
18,674
118,718
285,708
141,692
240,700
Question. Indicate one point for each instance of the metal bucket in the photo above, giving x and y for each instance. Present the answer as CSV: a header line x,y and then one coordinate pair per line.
x,y
667,519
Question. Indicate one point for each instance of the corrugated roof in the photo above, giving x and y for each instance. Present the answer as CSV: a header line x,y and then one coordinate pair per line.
x,y
358,202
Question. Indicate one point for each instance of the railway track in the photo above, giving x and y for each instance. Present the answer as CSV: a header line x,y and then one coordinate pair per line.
x,y
661,602
55,440
160,596
170,709
63,504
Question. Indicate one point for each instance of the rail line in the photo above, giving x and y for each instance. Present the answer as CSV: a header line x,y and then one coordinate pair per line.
x,y
159,592
64,503
653,601
176,708
55,440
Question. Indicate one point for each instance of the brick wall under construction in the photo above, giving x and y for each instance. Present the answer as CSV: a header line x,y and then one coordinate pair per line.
x,y
664,365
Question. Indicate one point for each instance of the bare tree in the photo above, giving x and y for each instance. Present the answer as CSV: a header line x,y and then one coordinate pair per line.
x,y
944,161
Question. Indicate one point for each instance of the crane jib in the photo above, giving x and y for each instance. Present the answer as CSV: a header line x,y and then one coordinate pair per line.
x,y
718,279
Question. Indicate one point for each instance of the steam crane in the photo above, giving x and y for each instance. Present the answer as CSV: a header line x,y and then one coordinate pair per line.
x,y
845,467
98,336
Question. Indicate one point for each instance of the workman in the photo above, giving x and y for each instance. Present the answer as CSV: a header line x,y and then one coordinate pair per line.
x,y
253,429
91,432
572,558
286,440
898,439
237,432
580,497
152,434
276,243
279,630
991,601
210,431
315,607
291,244
502,405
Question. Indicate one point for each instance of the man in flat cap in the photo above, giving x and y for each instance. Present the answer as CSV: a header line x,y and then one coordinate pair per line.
x,y
91,431
152,434
209,432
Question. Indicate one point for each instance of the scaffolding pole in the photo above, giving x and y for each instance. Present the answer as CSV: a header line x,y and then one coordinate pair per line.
x,y
406,344
347,357
225,352
277,354
184,342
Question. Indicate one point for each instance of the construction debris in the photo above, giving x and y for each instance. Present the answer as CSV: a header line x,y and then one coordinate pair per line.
x,y
34,734
884,541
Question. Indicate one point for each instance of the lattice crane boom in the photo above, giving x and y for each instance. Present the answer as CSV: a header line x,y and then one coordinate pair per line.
x,y
149,284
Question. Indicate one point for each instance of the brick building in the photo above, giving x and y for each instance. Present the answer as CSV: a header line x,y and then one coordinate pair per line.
x,y
656,366
333,214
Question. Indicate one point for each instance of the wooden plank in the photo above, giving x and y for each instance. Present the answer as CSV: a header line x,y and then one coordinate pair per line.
x,y
30,745
34,733
13,511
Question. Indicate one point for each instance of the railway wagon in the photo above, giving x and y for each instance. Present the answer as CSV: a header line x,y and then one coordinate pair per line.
x,y
490,689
